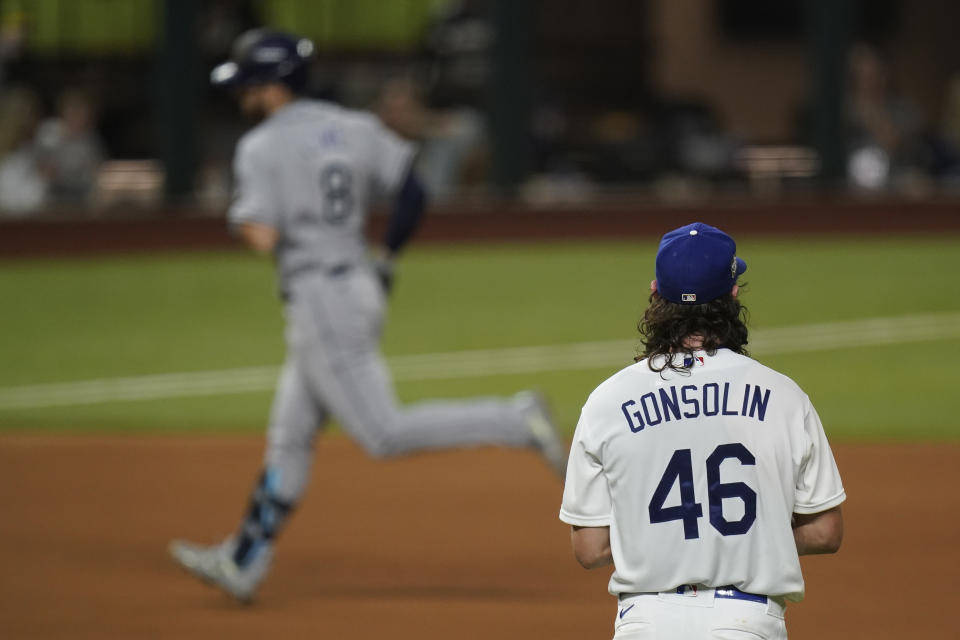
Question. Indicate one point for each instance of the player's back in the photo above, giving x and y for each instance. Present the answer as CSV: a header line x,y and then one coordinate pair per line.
x,y
312,170
702,470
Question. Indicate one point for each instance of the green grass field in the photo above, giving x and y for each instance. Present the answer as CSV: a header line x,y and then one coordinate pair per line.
x,y
80,319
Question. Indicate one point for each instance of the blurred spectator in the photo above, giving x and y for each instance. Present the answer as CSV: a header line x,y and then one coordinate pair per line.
x,y
448,116
451,141
695,140
71,148
23,182
946,140
884,140
399,107
950,123
457,48
12,34
221,21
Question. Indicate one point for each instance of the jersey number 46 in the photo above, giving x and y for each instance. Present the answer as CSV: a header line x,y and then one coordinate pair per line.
x,y
680,469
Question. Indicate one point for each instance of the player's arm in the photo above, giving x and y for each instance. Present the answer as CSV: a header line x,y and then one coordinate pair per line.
x,y
591,546
253,214
817,519
408,209
259,237
586,504
818,532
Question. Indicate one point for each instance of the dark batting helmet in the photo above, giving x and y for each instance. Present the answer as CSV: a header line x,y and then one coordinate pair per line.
x,y
262,56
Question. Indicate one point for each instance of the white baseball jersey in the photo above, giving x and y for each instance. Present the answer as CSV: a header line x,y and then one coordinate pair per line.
x,y
698,475
312,170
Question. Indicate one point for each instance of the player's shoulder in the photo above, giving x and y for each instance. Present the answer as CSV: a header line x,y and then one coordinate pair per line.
x,y
345,116
255,141
629,376
274,130
771,375
767,377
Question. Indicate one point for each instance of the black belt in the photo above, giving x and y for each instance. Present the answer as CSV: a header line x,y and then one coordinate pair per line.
x,y
339,269
332,270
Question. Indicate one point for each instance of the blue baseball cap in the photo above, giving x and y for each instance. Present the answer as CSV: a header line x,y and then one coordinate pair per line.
x,y
697,263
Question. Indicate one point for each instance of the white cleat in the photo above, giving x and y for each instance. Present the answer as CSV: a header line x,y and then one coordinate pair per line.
x,y
214,564
546,436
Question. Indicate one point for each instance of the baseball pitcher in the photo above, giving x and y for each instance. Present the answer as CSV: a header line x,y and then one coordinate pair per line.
x,y
306,177
699,473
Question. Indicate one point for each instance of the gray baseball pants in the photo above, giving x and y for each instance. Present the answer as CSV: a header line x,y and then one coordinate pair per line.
x,y
334,368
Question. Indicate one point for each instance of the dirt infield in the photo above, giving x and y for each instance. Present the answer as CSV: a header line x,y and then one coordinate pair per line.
x,y
452,545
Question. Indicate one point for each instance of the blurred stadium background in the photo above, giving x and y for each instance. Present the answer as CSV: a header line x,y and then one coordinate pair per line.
x,y
107,112
827,132
560,139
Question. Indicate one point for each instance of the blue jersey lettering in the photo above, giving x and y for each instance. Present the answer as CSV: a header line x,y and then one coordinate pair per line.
x,y
665,404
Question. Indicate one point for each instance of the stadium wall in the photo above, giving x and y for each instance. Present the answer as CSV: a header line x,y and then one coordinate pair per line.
x,y
191,230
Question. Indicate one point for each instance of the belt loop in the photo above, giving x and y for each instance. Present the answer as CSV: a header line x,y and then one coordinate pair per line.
x,y
776,607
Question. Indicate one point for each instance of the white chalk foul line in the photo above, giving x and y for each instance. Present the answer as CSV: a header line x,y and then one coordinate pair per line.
x,y
481,362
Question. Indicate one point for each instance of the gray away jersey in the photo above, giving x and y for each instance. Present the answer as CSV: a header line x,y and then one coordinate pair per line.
x,y
698,475
311,171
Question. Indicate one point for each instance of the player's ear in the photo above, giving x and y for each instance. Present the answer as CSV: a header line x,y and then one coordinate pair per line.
x,y
653,285
735,291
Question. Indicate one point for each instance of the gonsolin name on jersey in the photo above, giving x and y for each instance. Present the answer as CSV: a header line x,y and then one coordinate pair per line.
x,y
693,401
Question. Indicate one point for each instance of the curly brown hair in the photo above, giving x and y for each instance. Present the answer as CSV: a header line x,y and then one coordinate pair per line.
x,y
666,327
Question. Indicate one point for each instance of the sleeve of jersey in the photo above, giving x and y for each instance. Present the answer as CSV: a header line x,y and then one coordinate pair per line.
x,y
819,486
253,191
391,157
586,497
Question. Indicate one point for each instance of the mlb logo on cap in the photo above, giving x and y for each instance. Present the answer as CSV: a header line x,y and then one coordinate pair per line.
x,y
697,263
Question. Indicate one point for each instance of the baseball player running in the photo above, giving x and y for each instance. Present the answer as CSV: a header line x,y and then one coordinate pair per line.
x,y
699,473
306,177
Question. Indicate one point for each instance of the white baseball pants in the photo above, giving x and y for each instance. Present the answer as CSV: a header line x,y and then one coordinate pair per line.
x,y
334,368
697,614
